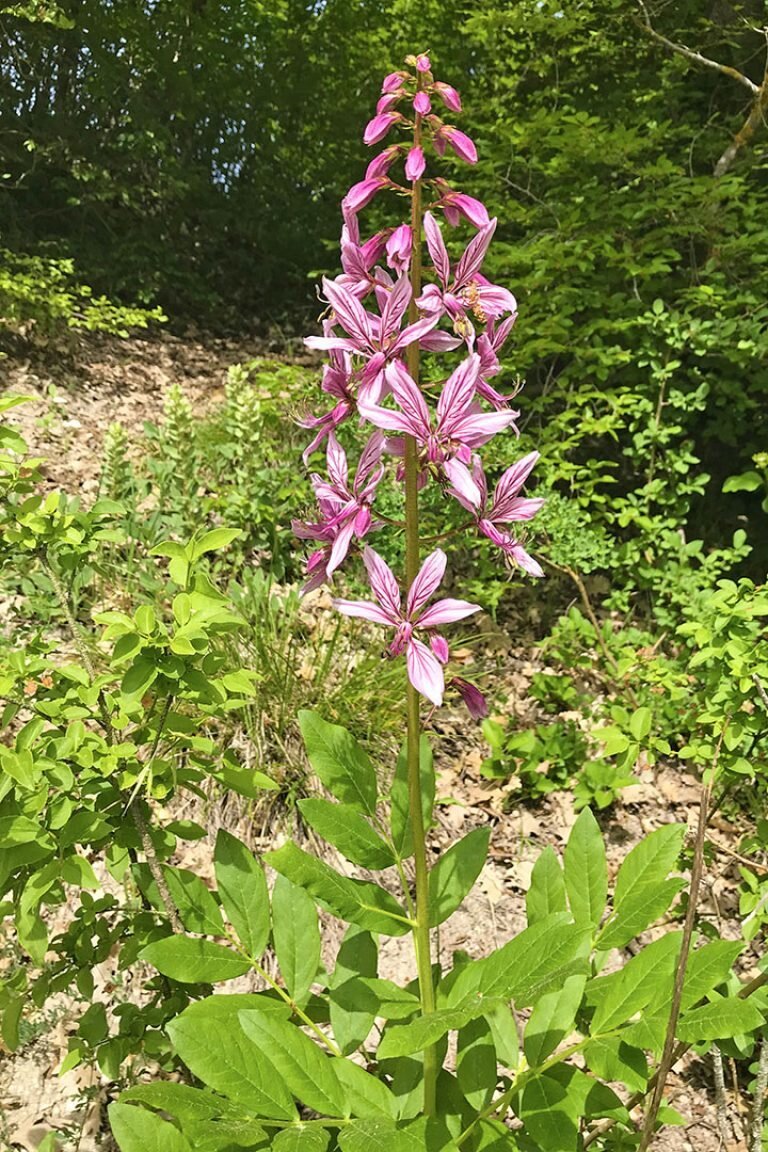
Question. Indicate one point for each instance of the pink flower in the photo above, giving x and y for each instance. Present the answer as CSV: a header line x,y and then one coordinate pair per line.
x,y
362,193
466,290
449,96
421,104
392,82
399,248
423,63
377,128
382,163
388,101
457,140
415,164
489,344
337,381
477,705
456,204
507,507
423,664
377,338
460,425
348,509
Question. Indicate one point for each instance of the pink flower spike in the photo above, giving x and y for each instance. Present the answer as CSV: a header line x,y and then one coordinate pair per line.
x,y
399,248
423,63
449,96
377,128
415,165
421,104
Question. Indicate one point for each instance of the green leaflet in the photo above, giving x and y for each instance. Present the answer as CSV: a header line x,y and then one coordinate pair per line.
x,y
304,1069
213,1045
198,909
368,1096
349,831
137,1130
351,1021
721,1019
301,1138
648,863
586,873
455,873
552,1020
421,1033
296,936
400,818
638,912
376,997
707,967
356,901
341,764
643,982
243,890
476,1062
191,960
547,891
525,967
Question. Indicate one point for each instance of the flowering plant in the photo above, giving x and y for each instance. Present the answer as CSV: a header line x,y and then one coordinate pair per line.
x,y
367,1061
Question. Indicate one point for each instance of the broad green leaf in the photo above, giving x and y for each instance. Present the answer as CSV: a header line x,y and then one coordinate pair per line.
x,y
375,997
640,723
552,1020
243,890
139,678
644,981
341,764
503,1025
367,1095
719,1020
213,1045
356,901
551,1109
400,816
547,891
301,1138
476,1062
137,1130
707,967
198,910
358,956
455,873
193,961
305,1070
648,863
349,831
179,1100
525,968
421,1033
586,873
213,541
638,912
378,1136
612,1059
296,936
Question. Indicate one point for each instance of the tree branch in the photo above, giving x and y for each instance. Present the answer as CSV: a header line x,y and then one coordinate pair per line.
x,y
690,54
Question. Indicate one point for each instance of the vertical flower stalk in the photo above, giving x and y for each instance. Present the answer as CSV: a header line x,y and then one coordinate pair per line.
x,y
379,323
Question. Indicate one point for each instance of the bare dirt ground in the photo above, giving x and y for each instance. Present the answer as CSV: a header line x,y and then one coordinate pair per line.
x,y
74,402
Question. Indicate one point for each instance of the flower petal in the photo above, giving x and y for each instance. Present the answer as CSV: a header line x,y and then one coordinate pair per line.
x,y
474,254
458,392
364,610
427,582
424,671
384,585
447,612
437,249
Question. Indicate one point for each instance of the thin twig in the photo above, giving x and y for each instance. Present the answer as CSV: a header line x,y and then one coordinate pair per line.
x,y
721,1097
690,54
758,1103
667,1056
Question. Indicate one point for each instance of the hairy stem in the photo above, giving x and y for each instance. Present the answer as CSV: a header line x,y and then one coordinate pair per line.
x,y
412,548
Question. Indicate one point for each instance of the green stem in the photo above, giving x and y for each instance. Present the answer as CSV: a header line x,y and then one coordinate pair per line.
x,y
412,547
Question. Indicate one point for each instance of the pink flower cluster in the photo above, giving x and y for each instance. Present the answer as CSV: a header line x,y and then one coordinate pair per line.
x,y
373,319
